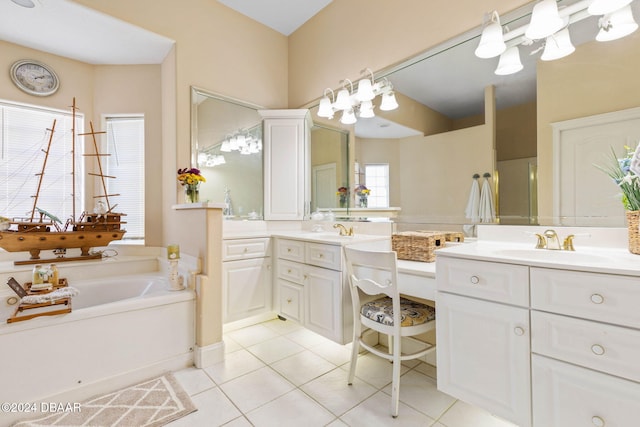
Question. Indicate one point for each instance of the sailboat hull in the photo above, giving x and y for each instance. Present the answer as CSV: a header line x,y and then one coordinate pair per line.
x,y
16,241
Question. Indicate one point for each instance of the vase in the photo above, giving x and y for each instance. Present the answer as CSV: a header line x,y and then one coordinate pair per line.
x,y
192,193
633,222
363,201
343,201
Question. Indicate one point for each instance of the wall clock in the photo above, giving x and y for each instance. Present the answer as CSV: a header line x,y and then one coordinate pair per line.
x,y
34,77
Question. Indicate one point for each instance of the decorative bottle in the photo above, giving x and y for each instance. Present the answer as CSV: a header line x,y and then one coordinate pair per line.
x,y
53,274
37,276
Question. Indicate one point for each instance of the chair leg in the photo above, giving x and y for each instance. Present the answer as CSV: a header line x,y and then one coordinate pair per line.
x,y
355,350
395,381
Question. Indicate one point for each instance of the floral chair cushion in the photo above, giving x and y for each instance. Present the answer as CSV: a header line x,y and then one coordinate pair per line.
x,y
413,313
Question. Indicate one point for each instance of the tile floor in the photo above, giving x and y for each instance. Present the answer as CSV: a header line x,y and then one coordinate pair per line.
x,y
279,374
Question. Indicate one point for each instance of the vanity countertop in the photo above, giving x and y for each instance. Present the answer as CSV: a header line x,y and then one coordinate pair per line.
x,y
331,238
599,260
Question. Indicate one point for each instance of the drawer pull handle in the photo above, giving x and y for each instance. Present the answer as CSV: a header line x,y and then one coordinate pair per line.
x,y
597,349
305,277
288,271
597,421
288,249
320,255
518,331
288,300
597,299
245,250
475,280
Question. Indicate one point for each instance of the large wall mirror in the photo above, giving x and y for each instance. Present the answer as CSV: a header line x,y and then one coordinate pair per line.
x,y
329,167
443,137
226,145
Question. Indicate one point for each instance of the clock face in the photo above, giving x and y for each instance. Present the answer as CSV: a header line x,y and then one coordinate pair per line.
x,y
34,77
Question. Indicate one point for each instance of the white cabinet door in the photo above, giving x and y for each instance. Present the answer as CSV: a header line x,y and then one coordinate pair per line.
x,y
323,302
483,355
566,395
291,300
286,174
246,288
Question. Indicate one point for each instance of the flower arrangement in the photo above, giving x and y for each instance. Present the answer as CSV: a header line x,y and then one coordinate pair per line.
x,y
190,179
362,190
623,172
190,176
343,193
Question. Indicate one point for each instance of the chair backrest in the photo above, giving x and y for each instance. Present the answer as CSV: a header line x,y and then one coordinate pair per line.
x,y
373,272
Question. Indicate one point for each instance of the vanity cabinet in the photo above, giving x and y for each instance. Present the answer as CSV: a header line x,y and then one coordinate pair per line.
x,y
586,347
246,278
311,287
286,136
482,334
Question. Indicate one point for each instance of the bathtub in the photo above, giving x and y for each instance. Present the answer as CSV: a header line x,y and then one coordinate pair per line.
x,y
121,329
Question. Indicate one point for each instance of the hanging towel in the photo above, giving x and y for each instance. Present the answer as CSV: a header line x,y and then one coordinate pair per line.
x,y
472,211
487,213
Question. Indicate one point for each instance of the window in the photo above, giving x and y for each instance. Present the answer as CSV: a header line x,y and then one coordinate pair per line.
x,y
376,177
125,144
24,142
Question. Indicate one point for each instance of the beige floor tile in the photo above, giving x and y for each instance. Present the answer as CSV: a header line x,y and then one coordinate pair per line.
x,y
256,388
420,392
275,349
234,365
214,409
462,414
302,367
252,335
193,380
293,409
376,411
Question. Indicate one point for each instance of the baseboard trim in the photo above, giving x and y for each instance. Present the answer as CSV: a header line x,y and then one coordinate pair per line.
x,y
203,357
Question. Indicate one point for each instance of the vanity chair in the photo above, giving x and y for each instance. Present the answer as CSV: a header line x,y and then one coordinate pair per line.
x,y
377,306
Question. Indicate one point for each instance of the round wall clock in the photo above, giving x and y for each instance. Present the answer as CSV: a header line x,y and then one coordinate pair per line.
x,y
34,77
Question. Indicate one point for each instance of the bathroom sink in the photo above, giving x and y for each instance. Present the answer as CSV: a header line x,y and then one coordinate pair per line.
x,y
552,255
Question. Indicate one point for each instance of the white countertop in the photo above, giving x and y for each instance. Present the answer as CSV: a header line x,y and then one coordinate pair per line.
x,y
593,259
331,238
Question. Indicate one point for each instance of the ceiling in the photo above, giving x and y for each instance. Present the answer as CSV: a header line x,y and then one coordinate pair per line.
x,y
68,29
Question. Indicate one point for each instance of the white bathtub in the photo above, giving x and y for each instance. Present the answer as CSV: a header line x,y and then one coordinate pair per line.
x,y
121,328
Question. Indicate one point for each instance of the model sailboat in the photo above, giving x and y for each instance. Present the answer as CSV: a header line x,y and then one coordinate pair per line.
x,y
44,231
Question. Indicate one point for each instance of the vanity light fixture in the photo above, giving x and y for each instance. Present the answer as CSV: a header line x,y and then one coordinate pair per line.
x,y
617,24
545,20
491,41
603,7
509,62
558,46
550,26
354,104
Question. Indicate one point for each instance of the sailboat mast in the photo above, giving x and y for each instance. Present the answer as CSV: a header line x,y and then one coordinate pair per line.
x,y
73,158
44,165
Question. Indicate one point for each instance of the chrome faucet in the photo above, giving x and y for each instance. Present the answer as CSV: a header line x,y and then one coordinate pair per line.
x,y
343,230
553,242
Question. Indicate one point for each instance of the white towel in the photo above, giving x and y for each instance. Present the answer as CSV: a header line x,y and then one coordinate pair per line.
x,y
472,211
67,291
487,213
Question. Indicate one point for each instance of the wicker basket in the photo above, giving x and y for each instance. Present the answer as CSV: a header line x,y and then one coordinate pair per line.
x,y
633,222
417,245
449,236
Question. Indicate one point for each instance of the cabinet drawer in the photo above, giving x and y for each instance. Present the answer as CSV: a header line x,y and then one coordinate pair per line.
x,y
290,271
565,395
291,300
290,249
605,297
606,348
245,248
493,281
327,256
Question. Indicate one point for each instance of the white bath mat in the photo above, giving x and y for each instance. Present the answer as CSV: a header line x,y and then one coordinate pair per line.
x,y
152,403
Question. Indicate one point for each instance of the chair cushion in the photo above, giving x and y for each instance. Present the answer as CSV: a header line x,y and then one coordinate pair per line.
x,y
412,313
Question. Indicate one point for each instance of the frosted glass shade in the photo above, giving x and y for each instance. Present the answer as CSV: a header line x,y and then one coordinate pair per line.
x,y
545,20
602,7
509,62
617,25
491,41
343,100
348,117
365,91
558,46
366,110
325,109
388,102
